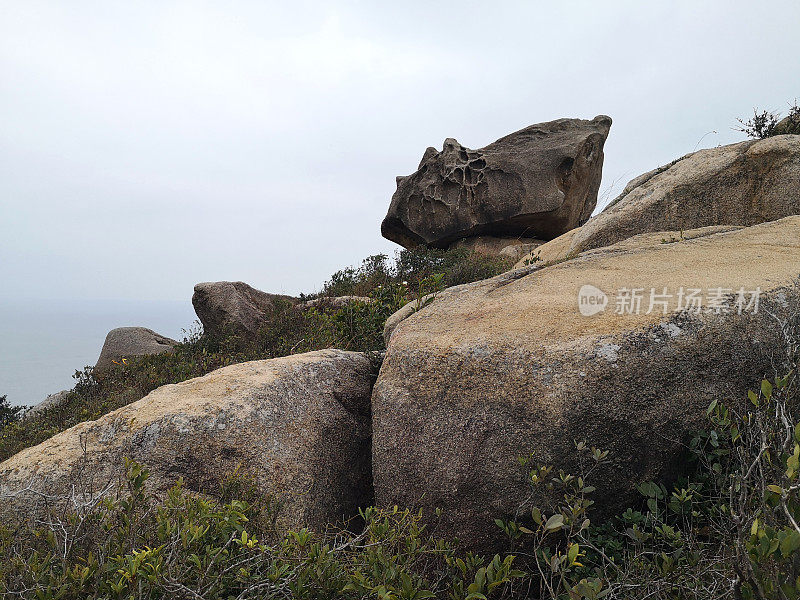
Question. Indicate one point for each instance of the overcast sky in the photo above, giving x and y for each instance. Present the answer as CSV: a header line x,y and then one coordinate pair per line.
x,y
146,146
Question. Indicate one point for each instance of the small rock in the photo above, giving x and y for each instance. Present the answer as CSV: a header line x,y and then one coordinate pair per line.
x,y
234,309
127,342
51,401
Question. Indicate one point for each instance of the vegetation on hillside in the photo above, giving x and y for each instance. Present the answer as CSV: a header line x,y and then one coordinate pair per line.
x,y
356,326
728,529
8,413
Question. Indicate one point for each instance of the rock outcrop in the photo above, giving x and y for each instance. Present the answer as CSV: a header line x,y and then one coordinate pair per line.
x,y
128,342
233,309
500,368
538,182
299,425
740,184
51,401
559,250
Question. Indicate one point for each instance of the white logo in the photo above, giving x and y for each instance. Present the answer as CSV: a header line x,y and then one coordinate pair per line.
x,y
591,300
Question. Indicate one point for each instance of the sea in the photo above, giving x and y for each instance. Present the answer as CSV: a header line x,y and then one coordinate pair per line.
x,y
43,342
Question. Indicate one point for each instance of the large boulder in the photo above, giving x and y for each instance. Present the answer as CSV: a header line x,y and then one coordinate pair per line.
x,y
233,309
500,368
740,184
538,182
299,425
129,342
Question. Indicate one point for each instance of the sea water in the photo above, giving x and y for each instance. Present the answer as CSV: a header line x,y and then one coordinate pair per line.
x,y
43,342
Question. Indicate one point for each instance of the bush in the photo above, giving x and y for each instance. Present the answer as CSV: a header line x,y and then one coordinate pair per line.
x,y
184,546
9,414
410,267
764,124
728,529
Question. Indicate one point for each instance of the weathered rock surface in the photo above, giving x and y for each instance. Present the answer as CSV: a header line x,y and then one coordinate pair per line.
x,y
128,342
538,182
233,309
558,250
739,184
497,369
300,425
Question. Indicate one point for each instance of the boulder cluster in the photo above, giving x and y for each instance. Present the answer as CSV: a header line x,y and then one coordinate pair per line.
x,y
591,337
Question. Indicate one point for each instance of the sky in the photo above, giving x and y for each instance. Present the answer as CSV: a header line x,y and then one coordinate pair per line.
x,y
147,146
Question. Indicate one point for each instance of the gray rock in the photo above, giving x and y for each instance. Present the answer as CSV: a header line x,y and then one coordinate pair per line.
x,y
299,425
538,182
497,369
234,309
128,342
51,401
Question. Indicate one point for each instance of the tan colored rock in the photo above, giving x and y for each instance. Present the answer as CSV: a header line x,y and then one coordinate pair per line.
x,y
401,315
500,368
558,250
300,425
740,184
129,342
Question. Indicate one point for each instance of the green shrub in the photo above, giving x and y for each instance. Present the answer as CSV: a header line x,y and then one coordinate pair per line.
x,y
185,546
9,414
410,267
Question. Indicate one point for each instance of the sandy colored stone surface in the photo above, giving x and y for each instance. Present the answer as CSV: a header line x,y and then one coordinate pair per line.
x,y
558,250
739,184
299,424
496,369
